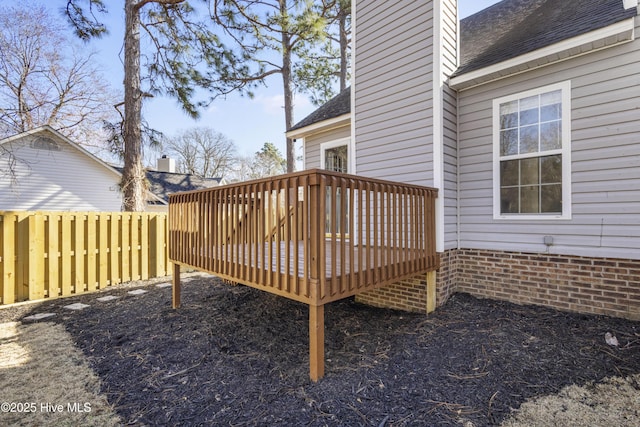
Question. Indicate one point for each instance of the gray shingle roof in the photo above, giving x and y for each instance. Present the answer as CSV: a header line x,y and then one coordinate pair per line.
x,y
506,30
335,107
162,184
516,27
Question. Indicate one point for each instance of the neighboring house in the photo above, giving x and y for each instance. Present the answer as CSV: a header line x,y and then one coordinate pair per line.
x,y
165,181
42,170
526,117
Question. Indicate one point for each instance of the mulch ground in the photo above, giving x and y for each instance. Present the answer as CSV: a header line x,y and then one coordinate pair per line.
x,y
236,356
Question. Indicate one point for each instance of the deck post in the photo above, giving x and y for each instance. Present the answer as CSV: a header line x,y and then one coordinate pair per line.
x,y
176,285
431,291
316,342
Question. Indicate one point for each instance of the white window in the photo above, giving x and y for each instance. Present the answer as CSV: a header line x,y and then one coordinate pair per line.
x,y
334,156
532,154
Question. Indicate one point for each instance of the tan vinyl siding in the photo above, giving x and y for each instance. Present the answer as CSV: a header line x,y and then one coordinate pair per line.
x,y
393,91
605,152
65,180
312,144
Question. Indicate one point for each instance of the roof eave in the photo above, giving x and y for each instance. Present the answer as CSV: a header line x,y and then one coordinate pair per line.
x,y
603,38
320,126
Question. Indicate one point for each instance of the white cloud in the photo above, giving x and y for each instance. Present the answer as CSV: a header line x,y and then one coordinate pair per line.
x,y
272,105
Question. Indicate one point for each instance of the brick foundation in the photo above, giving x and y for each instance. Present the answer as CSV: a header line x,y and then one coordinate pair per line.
x,y
570,283
407,295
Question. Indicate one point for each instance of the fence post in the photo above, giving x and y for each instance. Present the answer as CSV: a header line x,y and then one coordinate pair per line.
x,y
8,231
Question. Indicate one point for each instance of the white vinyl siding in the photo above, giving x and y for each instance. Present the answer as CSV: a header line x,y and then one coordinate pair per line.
x,y
605,160
57,180
393,85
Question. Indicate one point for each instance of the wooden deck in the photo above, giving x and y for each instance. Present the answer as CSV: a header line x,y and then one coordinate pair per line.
x,y
313,236
348,272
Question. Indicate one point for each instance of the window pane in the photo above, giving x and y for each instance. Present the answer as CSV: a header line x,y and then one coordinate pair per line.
x,y
550,112
551,167
550,136
509,174
551,198
529,199
530,178
509,115
528,117
509,200
508,142
548,98
529,139
530,171
530,103
336,159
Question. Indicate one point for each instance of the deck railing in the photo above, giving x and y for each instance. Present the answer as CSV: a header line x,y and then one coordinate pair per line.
x,y
313,236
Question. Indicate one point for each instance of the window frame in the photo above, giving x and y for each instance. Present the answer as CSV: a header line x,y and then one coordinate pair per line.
x,y
334,144
323,148
564,151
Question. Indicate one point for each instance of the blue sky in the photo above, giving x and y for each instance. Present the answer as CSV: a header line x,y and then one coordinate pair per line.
x,y
248,122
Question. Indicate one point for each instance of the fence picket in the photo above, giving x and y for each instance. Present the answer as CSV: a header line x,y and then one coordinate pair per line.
x,y
53,254
8,255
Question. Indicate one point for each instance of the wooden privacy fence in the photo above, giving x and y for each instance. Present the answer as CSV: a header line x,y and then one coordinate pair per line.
x,y
53,254
314,236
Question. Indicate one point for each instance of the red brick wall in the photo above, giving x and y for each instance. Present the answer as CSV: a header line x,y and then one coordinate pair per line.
x,y
411,295
408,295
571,283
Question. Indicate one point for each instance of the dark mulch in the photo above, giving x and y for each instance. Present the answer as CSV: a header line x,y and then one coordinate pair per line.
x,y
237,356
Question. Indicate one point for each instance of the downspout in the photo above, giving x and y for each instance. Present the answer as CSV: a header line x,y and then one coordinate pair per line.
x,y
438,124
457,170
458,227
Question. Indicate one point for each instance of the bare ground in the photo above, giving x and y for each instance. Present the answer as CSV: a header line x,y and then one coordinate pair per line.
x,y
237,356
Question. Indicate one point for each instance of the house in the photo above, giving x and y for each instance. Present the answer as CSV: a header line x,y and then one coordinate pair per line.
x,y
526,118
45,171
165,181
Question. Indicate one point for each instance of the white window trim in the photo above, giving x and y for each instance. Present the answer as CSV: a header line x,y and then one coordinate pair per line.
x,y
565,151
338,143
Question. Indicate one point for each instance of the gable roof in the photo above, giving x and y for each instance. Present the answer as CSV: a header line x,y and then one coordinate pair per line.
x,y
162,184
47,131
515,27
335,107
507,30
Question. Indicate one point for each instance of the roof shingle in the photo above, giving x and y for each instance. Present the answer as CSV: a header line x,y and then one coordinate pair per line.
x,y
335,107
515,27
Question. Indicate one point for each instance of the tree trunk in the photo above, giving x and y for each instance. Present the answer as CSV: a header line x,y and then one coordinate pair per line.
x,y
133,176
288,88
344,42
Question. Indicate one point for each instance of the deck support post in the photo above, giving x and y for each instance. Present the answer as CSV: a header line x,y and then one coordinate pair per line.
x,y
431,291
176,285
316,342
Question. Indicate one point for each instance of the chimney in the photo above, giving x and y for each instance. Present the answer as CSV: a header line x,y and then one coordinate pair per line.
x,y
166,164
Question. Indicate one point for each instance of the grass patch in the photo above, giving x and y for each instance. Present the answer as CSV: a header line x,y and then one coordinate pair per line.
x,y
612,402
46,380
